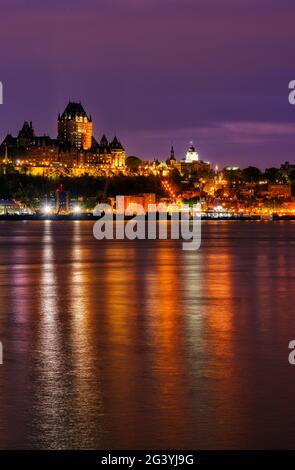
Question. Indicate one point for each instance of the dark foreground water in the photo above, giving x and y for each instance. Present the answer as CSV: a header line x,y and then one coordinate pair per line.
x,y
138,344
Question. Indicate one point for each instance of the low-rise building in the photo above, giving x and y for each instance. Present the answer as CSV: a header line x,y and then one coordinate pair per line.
x,y
280,190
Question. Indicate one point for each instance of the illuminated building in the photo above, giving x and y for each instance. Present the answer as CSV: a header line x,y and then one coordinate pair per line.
x,y
8,207
118,153
280,190
75,148
26,146
131,201
185,168
191,155
60,202
75,127
191,164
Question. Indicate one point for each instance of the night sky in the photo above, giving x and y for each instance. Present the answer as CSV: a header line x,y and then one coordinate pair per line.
x,y
156,72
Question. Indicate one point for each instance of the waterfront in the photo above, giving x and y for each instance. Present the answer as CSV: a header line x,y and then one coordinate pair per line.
x,y
139,344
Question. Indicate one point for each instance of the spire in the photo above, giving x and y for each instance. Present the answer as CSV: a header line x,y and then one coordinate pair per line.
x,y
6,154
104,140
116,144
172,155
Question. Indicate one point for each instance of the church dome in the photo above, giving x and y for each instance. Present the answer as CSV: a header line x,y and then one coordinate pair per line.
x,y
191,154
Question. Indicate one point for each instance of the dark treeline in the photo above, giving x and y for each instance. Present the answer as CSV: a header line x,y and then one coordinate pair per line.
x,y
25,187
252,174
28,188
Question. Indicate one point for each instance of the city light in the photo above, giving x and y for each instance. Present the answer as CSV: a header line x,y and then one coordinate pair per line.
x,y
46,209
76,209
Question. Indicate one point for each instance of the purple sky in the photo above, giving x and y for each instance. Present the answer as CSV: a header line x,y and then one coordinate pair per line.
x,y
156,72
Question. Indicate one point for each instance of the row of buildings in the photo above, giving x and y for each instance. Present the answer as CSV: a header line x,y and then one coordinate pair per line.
x,y
190,164
74,147
76,152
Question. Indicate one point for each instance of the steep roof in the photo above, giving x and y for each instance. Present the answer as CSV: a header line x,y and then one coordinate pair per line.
x,y
74,109
27,131
104,140
9,140
116,144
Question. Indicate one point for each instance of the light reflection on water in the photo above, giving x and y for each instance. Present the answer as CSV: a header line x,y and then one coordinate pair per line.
x,y
139,344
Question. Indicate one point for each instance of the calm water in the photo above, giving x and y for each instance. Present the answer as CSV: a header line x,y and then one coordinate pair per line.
x,y
138,344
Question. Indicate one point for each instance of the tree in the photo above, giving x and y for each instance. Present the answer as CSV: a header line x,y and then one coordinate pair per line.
x,y
292,177
133,162
204,173
232,175
175,177
251,174
274,175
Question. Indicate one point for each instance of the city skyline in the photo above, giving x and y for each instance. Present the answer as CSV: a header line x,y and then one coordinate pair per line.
x,y
147,214
38,136
187,76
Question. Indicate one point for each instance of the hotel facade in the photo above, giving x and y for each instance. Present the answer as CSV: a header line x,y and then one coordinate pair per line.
x,y
74,150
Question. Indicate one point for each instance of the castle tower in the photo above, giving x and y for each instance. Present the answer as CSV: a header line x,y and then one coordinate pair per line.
x,y
118,153
75,127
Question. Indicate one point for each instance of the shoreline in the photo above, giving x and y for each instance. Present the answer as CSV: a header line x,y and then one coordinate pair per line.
x,y
91,217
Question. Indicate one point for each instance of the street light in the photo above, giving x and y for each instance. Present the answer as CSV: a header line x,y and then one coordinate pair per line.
x,y
46,210
76,209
